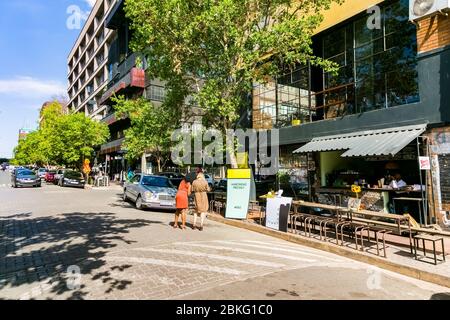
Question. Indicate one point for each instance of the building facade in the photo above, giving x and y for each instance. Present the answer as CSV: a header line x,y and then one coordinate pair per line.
x,y
88,63
387,106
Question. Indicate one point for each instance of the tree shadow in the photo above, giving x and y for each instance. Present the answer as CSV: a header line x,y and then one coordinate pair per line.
x,y
37,252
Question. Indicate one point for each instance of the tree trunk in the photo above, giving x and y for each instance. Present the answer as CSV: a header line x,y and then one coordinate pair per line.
x,y
144,164
232,153
158,160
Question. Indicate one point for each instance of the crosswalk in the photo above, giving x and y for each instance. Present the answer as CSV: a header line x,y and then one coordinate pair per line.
x,y
211,263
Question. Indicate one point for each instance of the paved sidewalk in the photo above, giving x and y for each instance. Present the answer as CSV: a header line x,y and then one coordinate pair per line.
x,y
62,243
399,257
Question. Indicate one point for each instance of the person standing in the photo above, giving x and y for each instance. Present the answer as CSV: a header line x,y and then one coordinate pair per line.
x,y
182,203
200,188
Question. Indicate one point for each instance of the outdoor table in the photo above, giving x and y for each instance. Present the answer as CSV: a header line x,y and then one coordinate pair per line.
x,y
417,200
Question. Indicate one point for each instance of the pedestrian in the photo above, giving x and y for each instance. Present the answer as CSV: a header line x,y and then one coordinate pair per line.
x,y
200,188
182,203
130,174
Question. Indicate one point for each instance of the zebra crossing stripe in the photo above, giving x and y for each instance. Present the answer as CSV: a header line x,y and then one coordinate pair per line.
x,y
271,246
216,257
176,264
261,253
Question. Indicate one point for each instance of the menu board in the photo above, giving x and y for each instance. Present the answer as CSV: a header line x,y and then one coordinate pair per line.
x,y
444,169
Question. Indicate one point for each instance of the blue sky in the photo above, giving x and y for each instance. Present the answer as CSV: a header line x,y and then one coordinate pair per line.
x,y
34,45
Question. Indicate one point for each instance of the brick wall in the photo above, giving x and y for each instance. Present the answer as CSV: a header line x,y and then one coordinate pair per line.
x,y
433,33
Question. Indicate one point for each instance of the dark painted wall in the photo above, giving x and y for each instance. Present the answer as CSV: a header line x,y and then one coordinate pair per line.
x,y
433,108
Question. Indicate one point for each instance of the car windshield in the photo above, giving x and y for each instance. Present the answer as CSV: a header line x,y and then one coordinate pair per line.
x,y
25,173
52,172
42,170
153,181
73,175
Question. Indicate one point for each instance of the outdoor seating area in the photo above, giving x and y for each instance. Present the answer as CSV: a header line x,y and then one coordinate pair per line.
x,y
361,230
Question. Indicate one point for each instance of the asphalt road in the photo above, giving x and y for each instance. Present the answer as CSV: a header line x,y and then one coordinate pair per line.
x,y
59,243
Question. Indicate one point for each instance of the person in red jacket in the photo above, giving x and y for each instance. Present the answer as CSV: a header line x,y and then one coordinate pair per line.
x,y
182,203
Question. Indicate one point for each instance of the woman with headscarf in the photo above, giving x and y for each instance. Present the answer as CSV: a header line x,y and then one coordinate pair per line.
x,y
200,188
182,203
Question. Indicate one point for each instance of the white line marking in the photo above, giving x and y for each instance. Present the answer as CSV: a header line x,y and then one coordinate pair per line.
x,y
269,246
177,265
261,253
215,256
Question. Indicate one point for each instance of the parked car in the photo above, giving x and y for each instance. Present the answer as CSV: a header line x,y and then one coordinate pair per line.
x,y
174,177
221,185
210,180
149,191
71,178
58,176
25,178
50,176
17,170
4,166
42,172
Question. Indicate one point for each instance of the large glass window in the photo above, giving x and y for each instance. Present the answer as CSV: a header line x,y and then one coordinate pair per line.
x,y
377,69
378,65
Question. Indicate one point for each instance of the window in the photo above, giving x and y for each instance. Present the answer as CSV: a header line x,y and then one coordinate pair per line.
x,y
156,93
381,62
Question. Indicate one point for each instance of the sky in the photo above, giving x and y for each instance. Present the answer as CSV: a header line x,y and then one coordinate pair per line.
x,y
35,41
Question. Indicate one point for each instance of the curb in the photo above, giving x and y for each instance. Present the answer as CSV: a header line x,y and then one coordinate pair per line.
x,y
341,251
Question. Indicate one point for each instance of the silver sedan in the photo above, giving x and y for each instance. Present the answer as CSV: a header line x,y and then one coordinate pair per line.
x,y
149,191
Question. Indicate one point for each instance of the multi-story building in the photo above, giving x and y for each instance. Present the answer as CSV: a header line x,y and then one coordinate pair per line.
x,y
88,70
387,106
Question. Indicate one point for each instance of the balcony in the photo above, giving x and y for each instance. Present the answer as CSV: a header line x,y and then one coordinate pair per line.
x,y
126,79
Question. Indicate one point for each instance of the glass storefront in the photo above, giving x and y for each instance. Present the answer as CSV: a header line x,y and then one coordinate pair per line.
x,y
377,69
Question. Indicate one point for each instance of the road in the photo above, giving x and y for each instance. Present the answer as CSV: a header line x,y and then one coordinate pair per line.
x,y
60,243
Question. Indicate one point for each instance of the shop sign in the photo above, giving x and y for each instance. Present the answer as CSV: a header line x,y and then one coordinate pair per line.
x,y
238,193
277,213
425,163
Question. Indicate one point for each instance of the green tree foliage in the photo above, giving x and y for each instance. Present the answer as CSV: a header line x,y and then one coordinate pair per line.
x,y
150,131
215,50
61,139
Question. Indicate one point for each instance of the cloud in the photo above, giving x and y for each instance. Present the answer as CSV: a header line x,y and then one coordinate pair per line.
x,y
28,86
91,3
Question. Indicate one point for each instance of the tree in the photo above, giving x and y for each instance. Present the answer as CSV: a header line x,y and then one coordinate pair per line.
x,y
79,136
61,139
150,131
215,50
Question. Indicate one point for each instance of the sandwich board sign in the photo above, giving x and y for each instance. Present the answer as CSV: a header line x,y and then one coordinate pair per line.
x,y
277,213
238,193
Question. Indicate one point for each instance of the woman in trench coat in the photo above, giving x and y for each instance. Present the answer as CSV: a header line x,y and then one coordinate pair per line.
x,y
200,189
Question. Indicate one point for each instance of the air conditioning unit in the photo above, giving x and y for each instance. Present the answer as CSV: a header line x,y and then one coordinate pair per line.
x,y
423,8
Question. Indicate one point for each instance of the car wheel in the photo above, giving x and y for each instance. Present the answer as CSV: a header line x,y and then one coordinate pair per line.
x,y
125,197
139,203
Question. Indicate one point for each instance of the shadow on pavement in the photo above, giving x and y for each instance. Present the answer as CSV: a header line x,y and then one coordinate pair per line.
x,y
441,296
37,252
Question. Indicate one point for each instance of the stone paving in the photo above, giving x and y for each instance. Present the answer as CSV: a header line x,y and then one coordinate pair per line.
x,y
60,243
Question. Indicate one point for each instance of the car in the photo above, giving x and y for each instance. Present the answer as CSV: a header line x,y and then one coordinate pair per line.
x,y
210,180
58,176
221,185
4,166
174,177
25,178
72,178
42,172
17,170
150,191
50,176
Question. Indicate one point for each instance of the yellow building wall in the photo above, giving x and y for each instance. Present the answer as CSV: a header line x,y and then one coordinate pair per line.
x,y
339,13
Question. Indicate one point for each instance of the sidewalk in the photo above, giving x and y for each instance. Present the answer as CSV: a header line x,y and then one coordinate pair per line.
x,y
399,258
